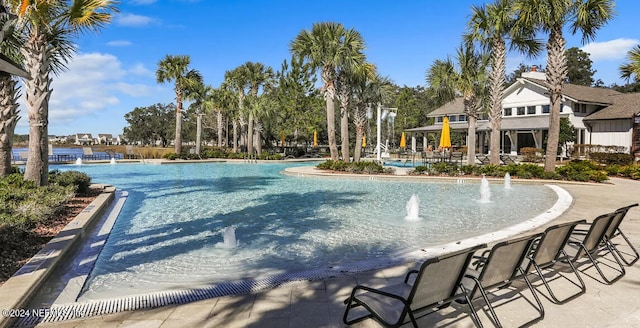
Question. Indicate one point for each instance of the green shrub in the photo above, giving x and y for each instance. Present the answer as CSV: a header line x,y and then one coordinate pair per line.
x,y
611,158
470,169
490,170
79,180
579,170
170,156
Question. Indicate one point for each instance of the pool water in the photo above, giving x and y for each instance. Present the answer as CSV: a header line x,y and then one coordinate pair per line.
x,y
169,234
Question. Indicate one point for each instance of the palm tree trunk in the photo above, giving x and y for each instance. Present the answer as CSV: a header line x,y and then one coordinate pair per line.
x,y
470,108
344,116
250,135
38,91
359,119
235,136
498,71
178,139
556,74
329,95
8,120
219,128
258,137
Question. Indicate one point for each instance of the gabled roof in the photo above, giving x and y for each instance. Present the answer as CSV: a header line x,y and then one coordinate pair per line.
x,y
455,106
580,93
625,105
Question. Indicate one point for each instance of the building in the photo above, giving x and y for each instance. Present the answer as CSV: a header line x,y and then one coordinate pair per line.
x,y
105,138
600,116
84,139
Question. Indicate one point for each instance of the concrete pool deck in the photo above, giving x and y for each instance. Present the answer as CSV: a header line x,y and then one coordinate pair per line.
x,y
319,303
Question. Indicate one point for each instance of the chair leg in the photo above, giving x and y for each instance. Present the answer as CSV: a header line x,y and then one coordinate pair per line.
x,y
583,287
474,314
595,263
486,300
533,291
635,252
352,303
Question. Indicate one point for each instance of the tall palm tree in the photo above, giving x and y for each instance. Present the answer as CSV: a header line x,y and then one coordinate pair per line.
x,y
494,26
347,69
257,75
368,88
49,26
236,82
219,100
632,68
469,81
176,69
550,16
9,90
324,49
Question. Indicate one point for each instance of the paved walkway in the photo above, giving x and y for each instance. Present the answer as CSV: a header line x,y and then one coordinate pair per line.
x,y
320,303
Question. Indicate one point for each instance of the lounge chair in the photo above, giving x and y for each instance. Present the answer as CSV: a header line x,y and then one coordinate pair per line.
x,y
484,160
506,159
592,243
499,269
456,157
614,231
438,282
549,251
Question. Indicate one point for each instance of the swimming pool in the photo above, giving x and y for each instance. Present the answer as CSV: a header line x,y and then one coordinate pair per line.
x,y
169,235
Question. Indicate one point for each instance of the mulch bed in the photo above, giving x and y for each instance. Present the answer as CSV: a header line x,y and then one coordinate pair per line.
x,y
19,246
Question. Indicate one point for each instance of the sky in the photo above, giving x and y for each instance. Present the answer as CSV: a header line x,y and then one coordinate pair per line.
x,y
113,71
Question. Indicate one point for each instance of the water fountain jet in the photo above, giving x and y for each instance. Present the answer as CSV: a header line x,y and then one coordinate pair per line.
x,y
229,238
485,191
507,181
78,161
113,160
413,208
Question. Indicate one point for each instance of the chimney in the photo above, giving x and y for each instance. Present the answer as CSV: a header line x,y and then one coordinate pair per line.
x,y
534,68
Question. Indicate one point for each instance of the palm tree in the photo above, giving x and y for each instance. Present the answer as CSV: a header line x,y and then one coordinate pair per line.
x,y
550,16
48,27
219,100
323,47
493,26
236,82
347,69
368,88
256,75
632,68
9,91
469,81
176,69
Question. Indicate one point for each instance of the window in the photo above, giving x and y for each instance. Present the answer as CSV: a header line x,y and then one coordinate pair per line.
x,y
520,110
462,118
439,119
531,110
507,112
453,118
583,108
545,109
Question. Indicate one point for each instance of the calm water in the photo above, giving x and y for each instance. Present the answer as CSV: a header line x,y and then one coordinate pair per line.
x,y
170,232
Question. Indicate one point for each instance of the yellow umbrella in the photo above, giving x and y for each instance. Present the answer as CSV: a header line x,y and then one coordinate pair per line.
x,y
445,137
315,138
403,141
282,139
364,141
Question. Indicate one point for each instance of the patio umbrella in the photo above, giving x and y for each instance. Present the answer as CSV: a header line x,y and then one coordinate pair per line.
x,y
445,136
403,141
282,139
364,142
315,138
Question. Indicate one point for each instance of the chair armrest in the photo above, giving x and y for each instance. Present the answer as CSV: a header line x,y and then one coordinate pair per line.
x,y
406,278
376,291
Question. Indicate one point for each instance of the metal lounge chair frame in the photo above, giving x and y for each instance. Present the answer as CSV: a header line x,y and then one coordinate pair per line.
x,y
614,231
549,251
499,269
438,282
593,242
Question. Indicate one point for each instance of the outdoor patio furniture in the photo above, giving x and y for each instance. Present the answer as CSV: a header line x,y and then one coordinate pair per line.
x,y
436,284
456,157
613,231
591,244
549,251
506,159
498,270
484,160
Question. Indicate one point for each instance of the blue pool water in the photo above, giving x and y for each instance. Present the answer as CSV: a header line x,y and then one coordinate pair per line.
x,y
170,231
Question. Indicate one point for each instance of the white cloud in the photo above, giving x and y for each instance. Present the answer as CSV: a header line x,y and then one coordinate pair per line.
x,y
141,70
119,43
609,50
134,20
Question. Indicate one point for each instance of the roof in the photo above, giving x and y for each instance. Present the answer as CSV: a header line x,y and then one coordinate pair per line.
x,y
537,122
455,106
581,93
625,105
9,66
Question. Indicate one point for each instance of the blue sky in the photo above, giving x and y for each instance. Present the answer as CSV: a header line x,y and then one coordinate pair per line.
x,y
114,71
